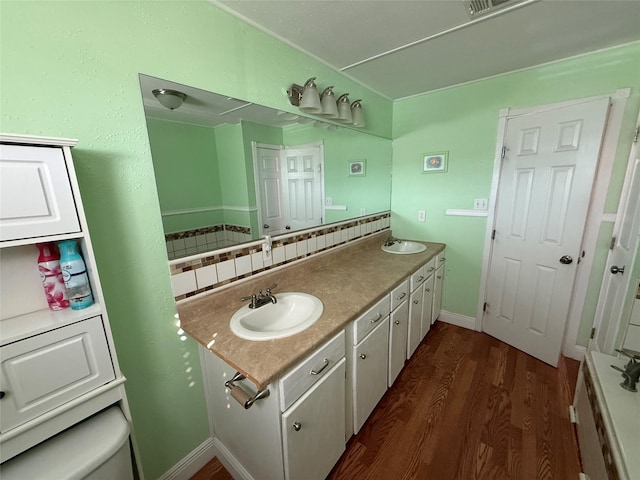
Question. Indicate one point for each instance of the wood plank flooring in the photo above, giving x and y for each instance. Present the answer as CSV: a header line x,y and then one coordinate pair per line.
x,y
465,407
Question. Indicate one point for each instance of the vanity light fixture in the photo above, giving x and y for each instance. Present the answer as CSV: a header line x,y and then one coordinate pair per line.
x,y
329,105
344,108
171,99
356,114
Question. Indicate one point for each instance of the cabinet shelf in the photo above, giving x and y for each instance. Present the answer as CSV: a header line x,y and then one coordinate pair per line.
x,y
23,326
45,239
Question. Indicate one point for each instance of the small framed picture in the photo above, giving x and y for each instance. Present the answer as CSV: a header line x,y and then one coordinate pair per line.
x,y
435,162
357,168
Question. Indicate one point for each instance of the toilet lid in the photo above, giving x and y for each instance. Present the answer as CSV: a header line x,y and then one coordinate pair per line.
x,y
73,453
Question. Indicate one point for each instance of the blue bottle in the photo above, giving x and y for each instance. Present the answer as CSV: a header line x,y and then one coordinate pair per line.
x,y
74,273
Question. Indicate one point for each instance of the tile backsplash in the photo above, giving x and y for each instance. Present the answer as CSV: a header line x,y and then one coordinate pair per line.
x,y
201,240
208,270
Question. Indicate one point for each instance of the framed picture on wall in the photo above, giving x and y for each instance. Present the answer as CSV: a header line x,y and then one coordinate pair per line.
x,y
435,162
357,168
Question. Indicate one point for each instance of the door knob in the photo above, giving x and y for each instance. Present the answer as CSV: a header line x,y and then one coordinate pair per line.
x,y
615,269
265,226
566,259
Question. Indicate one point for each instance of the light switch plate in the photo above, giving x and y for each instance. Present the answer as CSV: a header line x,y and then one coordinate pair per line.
x,y
481,204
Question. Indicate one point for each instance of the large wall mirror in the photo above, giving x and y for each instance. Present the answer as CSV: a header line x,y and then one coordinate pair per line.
x,y
230,171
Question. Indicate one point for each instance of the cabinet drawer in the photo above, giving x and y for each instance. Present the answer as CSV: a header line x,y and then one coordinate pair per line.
x,y
48,370
430,267
418,277
440,259
399,294
35,193
371,319
309,371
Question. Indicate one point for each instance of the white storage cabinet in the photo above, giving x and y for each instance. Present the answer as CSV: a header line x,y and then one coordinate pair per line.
x,y
57,368
298,431
398,330
437,286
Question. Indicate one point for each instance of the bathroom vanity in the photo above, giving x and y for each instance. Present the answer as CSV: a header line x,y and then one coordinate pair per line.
x,y
324,382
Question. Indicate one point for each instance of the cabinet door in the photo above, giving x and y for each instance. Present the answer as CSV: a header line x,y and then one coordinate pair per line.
x,y
427,306
370,360
313,428
398,332
47,370
35,193
415,321
437,293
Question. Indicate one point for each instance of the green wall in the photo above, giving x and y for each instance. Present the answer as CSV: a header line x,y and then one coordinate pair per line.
x,y
463,120
186,171
70,69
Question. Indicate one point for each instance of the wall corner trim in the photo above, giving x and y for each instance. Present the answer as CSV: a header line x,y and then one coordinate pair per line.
x,y
193,461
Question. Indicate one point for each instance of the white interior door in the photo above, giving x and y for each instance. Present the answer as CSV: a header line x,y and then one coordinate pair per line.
x,y
302,187
268,184
543,198
617,276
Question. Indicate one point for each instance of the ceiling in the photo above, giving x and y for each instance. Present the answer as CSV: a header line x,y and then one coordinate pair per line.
x,y
402,48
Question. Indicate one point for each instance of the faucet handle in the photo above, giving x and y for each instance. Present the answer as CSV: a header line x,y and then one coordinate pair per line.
x,y
632,354
271,288
253,298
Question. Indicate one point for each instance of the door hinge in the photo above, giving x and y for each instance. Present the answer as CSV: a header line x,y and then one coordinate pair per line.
x,y
493,234
635,135
503,153
612,245
593,332
485,306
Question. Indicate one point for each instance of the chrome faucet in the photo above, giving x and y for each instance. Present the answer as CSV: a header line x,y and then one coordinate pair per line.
x,y
631,371
260,299
390,241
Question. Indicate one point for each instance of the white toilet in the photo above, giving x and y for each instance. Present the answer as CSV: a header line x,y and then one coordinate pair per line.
x,y
95,449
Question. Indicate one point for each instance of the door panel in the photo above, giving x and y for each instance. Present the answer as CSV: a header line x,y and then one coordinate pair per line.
x,y
543,198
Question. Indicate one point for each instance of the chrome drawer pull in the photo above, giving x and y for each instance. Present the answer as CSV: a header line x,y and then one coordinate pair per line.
x,y
431,269
397,322
297,426
377,318
404,294
420,279
363,356
326,364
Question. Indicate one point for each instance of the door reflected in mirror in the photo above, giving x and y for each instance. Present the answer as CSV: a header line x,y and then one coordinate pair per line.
x,y
230,171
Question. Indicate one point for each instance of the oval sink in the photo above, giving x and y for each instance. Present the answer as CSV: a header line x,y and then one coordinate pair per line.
x,y
404,247
293,313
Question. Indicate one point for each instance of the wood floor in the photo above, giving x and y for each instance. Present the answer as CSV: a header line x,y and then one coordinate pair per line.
x,y
465,407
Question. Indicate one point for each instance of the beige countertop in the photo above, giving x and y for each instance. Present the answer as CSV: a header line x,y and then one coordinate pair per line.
x,y
348,281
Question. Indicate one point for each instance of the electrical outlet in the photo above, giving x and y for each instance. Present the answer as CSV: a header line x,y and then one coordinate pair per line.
x,y
421,215
328,201
481,204
363,212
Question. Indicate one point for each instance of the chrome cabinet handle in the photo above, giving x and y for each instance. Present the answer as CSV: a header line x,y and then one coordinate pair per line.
x,y
326,364
363,356
439,277
415,302
397,322
2,394
265,226
427,289
297,426
431,269
404,294
420,278
375,320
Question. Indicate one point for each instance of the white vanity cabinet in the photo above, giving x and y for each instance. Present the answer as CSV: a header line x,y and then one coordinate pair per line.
x,y
437,286
297,431
398,330
57,367
369,360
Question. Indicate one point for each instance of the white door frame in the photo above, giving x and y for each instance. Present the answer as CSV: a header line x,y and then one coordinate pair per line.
x,y
595,215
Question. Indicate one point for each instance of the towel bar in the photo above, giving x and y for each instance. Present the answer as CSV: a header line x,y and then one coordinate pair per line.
x,y
241,395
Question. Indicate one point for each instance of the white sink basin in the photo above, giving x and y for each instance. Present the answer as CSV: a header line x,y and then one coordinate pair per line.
x,y
404,247
293,313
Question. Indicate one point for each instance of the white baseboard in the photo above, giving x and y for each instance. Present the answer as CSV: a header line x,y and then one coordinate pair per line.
x,y
229,461
457,319
577,352
194,461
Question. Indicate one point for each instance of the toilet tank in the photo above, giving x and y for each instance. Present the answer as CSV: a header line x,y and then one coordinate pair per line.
x,y
95,449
